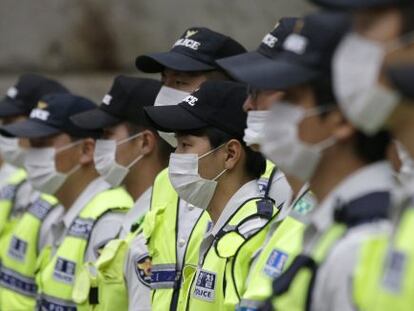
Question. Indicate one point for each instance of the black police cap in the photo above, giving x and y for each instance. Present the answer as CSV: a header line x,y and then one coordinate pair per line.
x,y
29,89
196,50
306,53
359,4
248,67
52,116
217,104
124,102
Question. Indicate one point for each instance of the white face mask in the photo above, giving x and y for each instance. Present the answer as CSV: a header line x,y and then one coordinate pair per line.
x,y
105,160
190,186
253,134
356,68
168,96
41,168
11,152
282,145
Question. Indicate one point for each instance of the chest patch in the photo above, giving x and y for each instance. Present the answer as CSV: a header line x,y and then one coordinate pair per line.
x,y
17,249
275,263
81,228
64,270
143,269
205,285
395,271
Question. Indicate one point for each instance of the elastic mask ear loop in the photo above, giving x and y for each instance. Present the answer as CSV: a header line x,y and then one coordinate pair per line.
x,y
135,161
211,151
68,146
219,175
122,141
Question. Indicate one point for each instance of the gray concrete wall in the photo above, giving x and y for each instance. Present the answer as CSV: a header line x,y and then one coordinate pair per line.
x,y
88,35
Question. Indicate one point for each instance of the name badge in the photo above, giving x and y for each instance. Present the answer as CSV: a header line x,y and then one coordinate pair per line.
x,y
205,285
17,249
64,270
275,263
395,271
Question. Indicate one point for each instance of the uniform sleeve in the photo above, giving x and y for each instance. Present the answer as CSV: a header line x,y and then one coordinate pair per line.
x,y
334,283
137,275
106,228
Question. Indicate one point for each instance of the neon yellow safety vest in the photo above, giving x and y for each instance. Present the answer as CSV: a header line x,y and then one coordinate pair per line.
x,y
218,281
17,275
293,289
160,230
57,273
384,277
284,244
101,285
7,200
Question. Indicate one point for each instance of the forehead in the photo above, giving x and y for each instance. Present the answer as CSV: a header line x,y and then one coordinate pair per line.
x,y
189,74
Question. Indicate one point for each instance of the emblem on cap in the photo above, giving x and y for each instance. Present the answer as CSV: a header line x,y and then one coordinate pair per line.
x,y
41,105
107,99
190,33
12,92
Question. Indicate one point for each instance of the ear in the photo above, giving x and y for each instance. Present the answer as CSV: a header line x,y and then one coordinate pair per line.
x,y
87,149
147,142
234,151
343,129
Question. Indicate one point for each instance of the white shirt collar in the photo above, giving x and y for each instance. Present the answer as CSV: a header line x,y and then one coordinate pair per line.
x,y
96,186
371,178
248,191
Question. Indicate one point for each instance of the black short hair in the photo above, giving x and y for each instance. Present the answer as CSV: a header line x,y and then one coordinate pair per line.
x,y
164,149
255,165
368,148
407,12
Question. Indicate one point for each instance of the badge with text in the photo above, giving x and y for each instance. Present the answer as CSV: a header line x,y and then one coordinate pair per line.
x,y
17,249
275,263
64,270
205,285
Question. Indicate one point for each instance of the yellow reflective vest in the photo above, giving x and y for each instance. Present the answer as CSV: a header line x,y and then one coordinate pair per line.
x,y
17,275
57,273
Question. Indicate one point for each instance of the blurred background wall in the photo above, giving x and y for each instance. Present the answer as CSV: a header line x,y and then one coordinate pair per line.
x,y
86,42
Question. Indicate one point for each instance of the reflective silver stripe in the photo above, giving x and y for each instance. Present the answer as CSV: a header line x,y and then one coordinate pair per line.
x,y
17,282
164,276
46,302
250,304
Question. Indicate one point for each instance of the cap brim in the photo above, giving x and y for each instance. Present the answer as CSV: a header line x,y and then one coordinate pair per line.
x,y
402,78
356,4
156,62
265,73
9,108
29,129
94,119
173,118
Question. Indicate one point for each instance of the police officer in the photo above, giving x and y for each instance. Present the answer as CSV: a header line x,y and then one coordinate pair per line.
x,y
214,170
345,169
132,154
190,62
382,98
17,194
283,240
60,162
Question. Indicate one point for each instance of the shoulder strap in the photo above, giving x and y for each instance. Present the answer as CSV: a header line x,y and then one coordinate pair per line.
x,y
371,207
